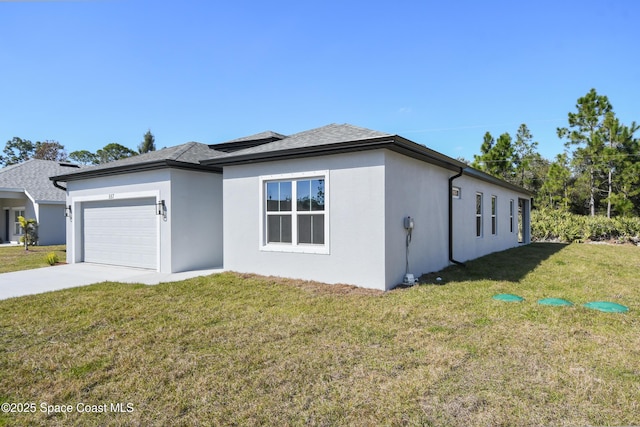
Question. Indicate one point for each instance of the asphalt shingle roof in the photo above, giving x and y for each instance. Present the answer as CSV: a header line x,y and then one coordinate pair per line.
x,y
325,135
262,135
191,152
32,176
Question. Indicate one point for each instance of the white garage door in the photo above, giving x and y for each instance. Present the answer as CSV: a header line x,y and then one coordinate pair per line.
x,y
121,232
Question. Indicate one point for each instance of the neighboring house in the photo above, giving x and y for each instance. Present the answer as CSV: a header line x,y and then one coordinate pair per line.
x,y
25,190
329,204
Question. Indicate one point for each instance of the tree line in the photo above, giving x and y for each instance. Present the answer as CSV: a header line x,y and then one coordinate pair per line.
x,y
18,150
598,172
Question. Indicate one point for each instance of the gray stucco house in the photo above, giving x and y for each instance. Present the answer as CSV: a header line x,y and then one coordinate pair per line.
x,y
25,190
336,204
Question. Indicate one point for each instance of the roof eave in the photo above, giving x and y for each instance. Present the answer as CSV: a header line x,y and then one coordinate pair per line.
x,y
392,142
142,167
475,173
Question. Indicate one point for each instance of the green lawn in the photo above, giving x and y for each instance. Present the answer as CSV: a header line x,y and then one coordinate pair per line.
x,y
235,349
15,258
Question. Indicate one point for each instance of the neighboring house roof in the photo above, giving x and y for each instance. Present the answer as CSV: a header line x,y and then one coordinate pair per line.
x,y
185,156
32,177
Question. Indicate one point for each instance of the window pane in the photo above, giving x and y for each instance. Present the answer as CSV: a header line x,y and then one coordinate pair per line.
x,y
304,195
304,228
279,228
273,196
273,228
493,225
317,229
478,226
317,195
279,196
478,204
285,196
311,229
493,205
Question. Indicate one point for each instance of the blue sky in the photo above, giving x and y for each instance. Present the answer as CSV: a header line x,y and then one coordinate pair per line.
x,y
88,73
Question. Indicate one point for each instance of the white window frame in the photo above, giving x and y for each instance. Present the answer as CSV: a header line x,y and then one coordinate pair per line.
x,y
294,246
494,215
16,224
479,231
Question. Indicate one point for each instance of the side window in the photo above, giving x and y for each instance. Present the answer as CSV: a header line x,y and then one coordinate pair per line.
x,y
511,215
478,214
494,217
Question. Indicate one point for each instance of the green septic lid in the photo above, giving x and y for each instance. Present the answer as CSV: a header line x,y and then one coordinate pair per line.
x,y
508,297
554,301
608,307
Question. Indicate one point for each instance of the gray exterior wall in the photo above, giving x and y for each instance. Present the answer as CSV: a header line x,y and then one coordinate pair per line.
x,y
355,205
420,190
196,220
51,224
466,245
368,196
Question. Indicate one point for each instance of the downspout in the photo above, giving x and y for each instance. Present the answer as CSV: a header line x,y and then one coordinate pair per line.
x,y
451,259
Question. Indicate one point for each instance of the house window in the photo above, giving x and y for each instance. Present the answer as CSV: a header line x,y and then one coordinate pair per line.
x,y
511,215
17,228
279,212
455,192
494,218
295,213
478,214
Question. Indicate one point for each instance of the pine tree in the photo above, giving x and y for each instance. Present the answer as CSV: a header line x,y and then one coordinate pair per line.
x,y
148,144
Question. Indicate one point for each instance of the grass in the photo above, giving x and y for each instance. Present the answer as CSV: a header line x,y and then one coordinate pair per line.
x,y
236,349
15,258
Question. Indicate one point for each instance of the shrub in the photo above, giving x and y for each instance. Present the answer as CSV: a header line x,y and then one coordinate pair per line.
x,y
52,258
548,224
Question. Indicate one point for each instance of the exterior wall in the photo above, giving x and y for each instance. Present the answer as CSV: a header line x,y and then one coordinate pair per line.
x,y
196,226
51,224
355,205
466,245
142,184
420,190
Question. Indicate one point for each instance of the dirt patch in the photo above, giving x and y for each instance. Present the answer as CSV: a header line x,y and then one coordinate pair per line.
x,y
316,287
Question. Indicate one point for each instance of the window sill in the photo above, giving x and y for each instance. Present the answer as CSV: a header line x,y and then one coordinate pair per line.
x,y
300,249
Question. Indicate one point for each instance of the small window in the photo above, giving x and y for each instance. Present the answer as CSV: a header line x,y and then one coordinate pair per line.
x,y
478,214
455,192
511,215
494,217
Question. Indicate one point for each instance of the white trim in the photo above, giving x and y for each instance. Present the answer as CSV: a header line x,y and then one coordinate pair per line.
x,y
294,246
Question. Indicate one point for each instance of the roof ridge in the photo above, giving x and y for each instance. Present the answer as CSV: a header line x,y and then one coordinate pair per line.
x,y
187,147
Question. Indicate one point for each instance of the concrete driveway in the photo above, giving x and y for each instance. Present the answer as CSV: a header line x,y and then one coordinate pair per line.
x,y
47,279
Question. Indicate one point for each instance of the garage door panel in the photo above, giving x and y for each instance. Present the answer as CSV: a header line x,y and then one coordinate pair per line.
x,y
121,232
